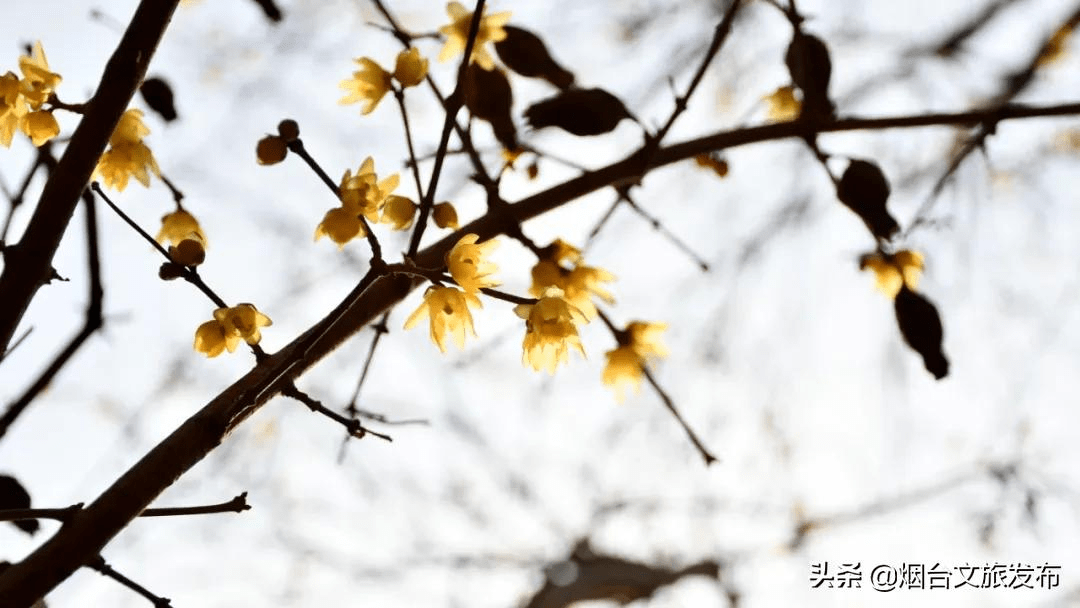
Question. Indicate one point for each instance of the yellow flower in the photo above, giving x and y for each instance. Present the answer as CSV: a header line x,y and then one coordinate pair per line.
x,y
12,107
243,321
445,216
398,211
368,84
129,129
40,126
341,225
179,226
38,82
893,271
229,326
579,283
645,339
783,106
448,309
626,363
468,266
550,330
457,34
211,339
362,193
623,369
565,253
410,68
127,155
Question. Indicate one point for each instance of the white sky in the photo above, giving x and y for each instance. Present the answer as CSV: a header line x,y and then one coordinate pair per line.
x,y
785,360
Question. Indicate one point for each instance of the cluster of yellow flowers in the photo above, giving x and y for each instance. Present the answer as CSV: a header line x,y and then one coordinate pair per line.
x,y
228,327
894,270
551,323
448,307
127,155
362,195
563,268
21,100
371,83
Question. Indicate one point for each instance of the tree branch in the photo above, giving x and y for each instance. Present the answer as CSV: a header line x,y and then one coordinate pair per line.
x,y
88,531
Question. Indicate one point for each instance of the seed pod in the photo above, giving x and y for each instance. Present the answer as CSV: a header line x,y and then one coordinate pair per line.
x,y
525,53
14,496
808,61
159,96
579,111
920,325
271,150
489,97
864,189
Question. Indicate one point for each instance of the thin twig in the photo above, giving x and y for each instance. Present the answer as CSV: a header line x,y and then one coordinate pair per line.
x,y
620,337
99,565
238,504
92,322
452,105
352,425
190,274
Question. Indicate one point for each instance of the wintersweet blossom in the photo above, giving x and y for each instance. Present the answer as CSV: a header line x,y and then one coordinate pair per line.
x,y
127,155
12,107
243,320
179,226
467,264
363,193
410,69
578,283
369,85
448,310
626,363
38,81
40,126
212,339
894,270
783,105
228,327
457,34
398,211
550,330
341,225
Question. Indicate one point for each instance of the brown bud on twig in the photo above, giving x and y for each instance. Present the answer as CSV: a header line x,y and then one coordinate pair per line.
x,y
864,189
170,271
159,96
271,150
920,325
288,130
525,53
579,111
